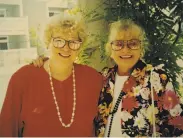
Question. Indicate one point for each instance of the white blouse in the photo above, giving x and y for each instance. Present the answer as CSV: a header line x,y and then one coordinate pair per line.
x,y
116,125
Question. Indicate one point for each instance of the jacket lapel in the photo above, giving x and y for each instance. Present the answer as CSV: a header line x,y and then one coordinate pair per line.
x,y
105,101
106,96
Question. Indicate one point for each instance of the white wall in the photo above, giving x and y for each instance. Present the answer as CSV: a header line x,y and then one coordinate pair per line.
x,y
58,3
36,12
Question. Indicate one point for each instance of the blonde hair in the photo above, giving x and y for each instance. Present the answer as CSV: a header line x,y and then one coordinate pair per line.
x,y
67,23
125,24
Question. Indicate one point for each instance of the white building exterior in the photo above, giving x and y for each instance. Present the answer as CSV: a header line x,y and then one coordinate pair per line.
x,y
14,32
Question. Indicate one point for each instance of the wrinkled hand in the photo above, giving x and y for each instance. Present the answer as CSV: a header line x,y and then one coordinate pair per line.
x,y
39,61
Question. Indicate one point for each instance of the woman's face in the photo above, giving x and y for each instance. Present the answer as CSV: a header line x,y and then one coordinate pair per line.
x,y
126,47
64,47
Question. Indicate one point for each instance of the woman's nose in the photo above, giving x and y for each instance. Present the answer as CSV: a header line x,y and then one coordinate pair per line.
x,y
125,48
66,47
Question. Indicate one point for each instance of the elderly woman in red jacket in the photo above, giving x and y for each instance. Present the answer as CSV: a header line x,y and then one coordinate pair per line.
x,y
59,99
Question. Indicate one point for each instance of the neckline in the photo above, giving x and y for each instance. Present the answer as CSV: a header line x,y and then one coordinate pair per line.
x,y
56,80
125,76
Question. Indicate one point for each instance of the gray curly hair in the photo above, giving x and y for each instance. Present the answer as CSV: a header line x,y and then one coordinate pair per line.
x,y
124,24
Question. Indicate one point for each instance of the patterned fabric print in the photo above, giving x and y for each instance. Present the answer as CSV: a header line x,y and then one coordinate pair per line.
x,y
137,109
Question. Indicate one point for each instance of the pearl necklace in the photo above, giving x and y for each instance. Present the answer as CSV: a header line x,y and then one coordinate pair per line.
x,y
55,99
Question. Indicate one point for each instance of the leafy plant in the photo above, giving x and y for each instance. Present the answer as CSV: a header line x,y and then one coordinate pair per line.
x,y
162,21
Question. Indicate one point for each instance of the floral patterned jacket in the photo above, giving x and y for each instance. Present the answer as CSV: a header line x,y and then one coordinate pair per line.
x,y
137,111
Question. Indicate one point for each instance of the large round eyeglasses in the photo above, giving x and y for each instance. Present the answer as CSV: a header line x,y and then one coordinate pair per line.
x,y
73,44
132,44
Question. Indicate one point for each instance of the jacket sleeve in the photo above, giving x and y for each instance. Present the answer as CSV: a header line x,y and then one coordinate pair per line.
x,y
10,113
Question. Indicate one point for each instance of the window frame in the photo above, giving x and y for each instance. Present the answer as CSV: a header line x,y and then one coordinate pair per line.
x,y
4,11
53,11
4,41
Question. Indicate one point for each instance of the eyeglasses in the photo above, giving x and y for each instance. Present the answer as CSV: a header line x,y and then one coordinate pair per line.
x,y
60,43
132,44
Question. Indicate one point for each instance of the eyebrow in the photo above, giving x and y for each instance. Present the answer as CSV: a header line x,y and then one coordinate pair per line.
x,y
72,39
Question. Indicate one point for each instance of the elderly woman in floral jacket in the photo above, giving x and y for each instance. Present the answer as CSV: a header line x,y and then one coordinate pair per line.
x,y
137,99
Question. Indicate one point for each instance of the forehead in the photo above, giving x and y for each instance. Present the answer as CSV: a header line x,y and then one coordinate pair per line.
x,y
65,34
126,34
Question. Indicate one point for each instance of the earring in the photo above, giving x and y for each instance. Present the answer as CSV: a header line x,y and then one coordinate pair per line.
x,y
76,60
141,55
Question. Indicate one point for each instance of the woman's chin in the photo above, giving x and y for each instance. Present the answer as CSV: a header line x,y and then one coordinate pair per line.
x,y
126,65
